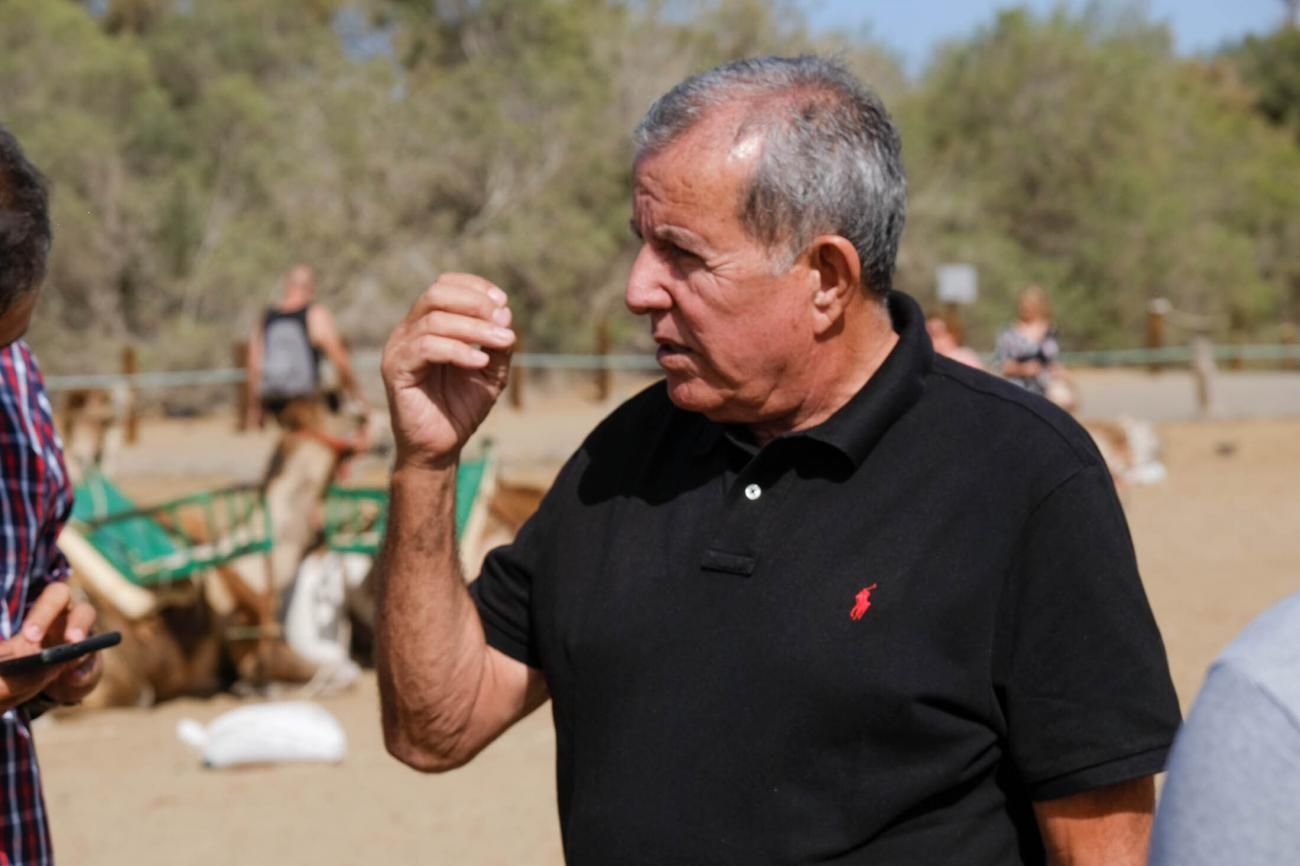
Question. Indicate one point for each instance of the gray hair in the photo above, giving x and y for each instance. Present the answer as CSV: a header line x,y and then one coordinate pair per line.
x,y
831,159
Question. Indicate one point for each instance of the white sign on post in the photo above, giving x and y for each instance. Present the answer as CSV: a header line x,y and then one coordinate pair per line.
x,y
958,284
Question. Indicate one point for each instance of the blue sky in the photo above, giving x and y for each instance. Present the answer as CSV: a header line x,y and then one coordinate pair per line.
x,y
912,27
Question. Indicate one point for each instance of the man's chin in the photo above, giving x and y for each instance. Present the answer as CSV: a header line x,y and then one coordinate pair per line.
x,y
689,394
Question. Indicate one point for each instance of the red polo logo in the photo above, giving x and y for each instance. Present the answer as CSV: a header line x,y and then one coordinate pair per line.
x,y
861,602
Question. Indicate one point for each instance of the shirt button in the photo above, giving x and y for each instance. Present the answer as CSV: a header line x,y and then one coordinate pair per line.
x,y
752,492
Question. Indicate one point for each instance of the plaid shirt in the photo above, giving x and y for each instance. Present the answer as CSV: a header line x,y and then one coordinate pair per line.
x,y
35,500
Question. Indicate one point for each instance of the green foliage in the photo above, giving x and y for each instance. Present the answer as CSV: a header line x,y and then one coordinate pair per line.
x,y
1078,153
1271,66
200,148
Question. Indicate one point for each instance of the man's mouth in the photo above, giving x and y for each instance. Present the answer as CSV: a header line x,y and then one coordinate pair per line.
x,y
669,349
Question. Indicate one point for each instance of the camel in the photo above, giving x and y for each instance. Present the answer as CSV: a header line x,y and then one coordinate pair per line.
x,y
91,423
201,638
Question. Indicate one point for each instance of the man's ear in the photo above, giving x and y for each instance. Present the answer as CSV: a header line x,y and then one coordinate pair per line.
x,y
836,274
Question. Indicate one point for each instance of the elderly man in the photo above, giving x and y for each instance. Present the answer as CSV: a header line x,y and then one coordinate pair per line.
x,y
35,500
818,596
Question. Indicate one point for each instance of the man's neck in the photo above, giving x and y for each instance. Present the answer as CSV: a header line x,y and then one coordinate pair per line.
x,y
835,374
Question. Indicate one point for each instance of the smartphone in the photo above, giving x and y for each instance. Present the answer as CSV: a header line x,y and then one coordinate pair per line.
x,y
58,654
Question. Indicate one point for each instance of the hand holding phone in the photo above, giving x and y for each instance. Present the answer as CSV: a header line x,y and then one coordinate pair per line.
x,y
53,618
56,655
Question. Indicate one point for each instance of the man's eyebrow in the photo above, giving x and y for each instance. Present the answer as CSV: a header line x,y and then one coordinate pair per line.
x,y
681,237
672,234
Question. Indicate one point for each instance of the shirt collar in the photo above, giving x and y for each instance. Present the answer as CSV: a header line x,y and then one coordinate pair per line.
x,y
894,388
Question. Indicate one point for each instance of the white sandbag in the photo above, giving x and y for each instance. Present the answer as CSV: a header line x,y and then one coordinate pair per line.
x,y
292,731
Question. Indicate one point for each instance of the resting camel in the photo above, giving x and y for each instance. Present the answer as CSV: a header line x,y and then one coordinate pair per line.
x,y
91,424
222,629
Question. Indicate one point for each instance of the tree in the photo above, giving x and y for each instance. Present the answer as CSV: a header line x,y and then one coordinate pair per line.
x,y
199,149
1077,152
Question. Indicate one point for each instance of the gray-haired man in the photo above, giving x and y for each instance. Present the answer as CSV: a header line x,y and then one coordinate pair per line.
x,y
818,596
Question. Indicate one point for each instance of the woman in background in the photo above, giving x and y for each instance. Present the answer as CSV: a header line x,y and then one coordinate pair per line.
x,y
1028,354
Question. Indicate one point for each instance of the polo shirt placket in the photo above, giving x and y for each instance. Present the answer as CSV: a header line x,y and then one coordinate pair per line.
x,y
750,503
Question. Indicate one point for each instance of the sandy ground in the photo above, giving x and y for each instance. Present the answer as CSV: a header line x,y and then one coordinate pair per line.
x,y
1217,541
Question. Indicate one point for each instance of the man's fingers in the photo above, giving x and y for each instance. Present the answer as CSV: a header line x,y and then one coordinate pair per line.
x,y
430,351
442,350
475,282
80,673
53,600
459,293
490,333
80,620
462,320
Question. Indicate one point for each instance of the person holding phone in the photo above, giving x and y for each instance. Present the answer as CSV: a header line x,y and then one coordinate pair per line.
x,y
39,610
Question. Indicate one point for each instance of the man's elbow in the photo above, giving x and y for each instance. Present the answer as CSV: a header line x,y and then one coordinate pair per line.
x,y
426,739
425,756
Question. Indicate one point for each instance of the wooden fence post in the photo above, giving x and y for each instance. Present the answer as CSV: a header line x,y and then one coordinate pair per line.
x,y
1236,337
1203,370
132,432
1290,360
517,376
602,352
243,388
1157,309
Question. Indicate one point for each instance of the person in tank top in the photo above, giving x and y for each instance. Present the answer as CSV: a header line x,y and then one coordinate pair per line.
x,y
286,349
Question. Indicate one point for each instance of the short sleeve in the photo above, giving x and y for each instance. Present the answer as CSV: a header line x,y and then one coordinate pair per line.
x,y
1081,670
504,590
1234,780
503,594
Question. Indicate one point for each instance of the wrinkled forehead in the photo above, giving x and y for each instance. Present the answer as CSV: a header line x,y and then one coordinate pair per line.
x,y
715,156
723,133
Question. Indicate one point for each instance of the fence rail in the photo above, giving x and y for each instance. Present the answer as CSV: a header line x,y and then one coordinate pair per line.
x,y
1168,355
146,381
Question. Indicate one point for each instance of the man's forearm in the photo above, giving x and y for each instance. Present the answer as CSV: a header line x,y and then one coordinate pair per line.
x,y
1107,827
430,650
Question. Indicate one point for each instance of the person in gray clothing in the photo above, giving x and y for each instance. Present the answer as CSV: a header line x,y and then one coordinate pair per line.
x,y
286,348
1233,791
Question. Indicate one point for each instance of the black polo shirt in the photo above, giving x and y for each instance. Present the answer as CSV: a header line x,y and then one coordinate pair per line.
x,y
875,641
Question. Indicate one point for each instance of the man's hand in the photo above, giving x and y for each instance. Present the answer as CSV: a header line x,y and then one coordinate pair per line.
x,y
53,620
444,368
77,680
444,694
79,677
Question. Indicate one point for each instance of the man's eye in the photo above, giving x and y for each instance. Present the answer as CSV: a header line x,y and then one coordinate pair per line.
x,y
678,254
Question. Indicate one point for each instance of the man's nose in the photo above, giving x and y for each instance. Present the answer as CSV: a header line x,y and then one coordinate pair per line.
x,y
647,283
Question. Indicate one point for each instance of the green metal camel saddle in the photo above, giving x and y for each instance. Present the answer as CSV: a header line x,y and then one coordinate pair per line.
x,y
183,538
